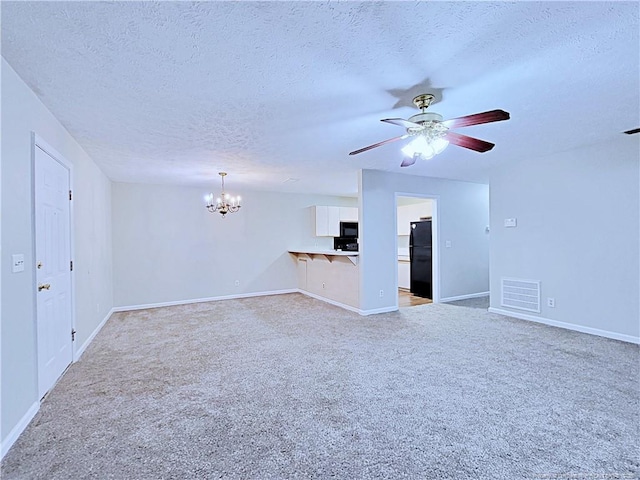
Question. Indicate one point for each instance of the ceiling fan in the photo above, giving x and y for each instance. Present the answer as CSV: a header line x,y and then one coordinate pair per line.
x,y
431,134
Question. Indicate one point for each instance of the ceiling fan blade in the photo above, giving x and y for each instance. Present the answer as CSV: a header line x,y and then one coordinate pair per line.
x,y
469,142
407,162
401,122
477,119
394,139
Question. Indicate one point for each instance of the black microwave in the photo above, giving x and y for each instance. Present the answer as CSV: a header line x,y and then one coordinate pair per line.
x,y
349,229
345,244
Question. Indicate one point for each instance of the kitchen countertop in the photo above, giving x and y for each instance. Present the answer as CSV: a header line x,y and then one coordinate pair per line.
x,y
319,251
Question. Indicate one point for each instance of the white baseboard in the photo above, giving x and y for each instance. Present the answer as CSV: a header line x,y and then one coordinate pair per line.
x,y
18,429
364,313
328,300
373,311
78,353
569,326
203,300
464,297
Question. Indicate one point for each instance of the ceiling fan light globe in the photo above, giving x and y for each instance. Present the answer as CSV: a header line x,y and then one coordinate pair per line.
x,y
439,144
427,154
417,145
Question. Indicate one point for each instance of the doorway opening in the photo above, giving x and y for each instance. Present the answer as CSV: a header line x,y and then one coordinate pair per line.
x,y
416,249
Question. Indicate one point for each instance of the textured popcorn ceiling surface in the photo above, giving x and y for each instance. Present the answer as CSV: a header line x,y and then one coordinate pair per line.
x,y
278,93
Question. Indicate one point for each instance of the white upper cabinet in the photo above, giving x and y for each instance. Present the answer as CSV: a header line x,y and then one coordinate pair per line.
x,y
328,218
348,214
327,221
412,213
333,221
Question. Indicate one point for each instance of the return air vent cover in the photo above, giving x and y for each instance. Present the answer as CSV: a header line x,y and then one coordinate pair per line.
x,y
521,294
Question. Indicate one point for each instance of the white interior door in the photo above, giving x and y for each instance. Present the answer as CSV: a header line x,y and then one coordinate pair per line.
x,y
53,269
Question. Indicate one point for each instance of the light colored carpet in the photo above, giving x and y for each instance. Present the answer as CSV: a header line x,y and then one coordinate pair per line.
x,y
290,387
478,302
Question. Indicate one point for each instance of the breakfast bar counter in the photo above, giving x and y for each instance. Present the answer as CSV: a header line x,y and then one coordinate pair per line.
x,y
331,275
328,254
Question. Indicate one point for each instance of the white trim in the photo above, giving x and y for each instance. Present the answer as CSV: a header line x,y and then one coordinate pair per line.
x,y
569,326
49,150
80,350
464,297
201,300
38,142
435,240
364,313
8,442
374,311
328,300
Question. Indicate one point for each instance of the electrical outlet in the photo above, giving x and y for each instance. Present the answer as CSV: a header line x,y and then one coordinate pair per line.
x,y
237,282
381,293
551,302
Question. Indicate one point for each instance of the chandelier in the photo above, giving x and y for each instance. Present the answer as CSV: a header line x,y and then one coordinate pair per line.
x,y
225,203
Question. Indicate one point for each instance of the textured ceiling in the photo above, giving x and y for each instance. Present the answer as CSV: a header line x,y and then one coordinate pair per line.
x,y
278,93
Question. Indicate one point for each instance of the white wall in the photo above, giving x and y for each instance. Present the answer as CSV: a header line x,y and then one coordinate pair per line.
x,y
168,247
577,232
462,216
23,113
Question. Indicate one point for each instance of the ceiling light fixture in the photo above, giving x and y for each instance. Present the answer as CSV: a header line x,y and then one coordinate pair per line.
x,y
428,131
427,143
430,135
225,203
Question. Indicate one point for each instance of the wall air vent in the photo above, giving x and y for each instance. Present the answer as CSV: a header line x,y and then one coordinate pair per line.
x,y
521,294
632,131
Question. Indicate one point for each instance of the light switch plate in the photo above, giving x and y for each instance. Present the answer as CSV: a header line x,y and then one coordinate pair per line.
x,y
17,264
510,222
447,244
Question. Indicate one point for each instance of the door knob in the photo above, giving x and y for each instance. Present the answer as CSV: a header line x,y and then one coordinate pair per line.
x,y
44,286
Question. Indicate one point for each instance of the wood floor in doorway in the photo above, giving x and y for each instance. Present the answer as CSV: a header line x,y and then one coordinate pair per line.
x,y
407,299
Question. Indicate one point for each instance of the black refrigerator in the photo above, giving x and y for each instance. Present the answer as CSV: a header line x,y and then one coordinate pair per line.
x,y
420,256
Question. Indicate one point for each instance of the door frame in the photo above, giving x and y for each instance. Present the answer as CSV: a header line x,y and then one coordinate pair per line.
x,y
435,239
38,142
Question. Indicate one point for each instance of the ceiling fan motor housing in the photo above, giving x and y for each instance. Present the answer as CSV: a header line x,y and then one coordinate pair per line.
x,y
425,117
429,125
